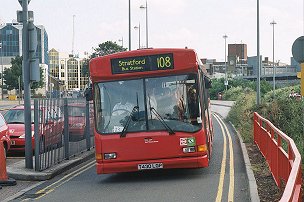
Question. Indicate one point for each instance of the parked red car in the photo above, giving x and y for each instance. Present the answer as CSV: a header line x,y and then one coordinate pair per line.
x,y
77,121
50,127
4,135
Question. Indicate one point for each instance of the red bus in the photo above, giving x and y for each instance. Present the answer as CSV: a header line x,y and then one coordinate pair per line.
x,y
151,110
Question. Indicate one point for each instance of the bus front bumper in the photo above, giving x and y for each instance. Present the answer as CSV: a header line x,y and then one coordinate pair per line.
x,y
132,166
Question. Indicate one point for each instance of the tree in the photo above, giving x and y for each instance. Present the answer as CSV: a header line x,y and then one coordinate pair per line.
x,y
105,48
11,75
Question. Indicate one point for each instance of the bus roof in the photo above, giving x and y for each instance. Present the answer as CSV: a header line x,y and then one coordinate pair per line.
x,y
108,67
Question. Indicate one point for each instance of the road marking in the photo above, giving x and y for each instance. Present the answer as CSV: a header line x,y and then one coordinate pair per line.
x,y
231,167
63,180
223,165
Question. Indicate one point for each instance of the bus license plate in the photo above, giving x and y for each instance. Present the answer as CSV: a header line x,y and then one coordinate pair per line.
x,y
149,166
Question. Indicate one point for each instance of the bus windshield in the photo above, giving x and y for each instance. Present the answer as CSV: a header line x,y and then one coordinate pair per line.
x,y
149,104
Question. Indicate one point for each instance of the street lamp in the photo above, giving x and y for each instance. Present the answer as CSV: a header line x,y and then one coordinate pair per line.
x,y
138,27
121,40
258,56
146,7
273,67
129,25
226,81
1,70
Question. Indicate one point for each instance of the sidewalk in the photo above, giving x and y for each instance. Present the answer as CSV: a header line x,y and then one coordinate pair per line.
x,y
28,178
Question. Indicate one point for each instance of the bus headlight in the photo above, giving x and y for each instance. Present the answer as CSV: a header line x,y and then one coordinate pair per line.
x,y
188,149
108,156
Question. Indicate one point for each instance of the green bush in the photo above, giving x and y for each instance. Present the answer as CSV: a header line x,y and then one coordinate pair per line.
x,y
241,115
286,113
217,86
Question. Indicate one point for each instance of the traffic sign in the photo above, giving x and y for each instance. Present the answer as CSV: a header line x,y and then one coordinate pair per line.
x,y
298,75
20,1
298,49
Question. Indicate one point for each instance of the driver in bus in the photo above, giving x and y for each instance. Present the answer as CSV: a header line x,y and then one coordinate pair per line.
x,y
123,106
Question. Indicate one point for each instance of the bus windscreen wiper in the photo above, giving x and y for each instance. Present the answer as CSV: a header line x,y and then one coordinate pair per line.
x,y
160,118
125,128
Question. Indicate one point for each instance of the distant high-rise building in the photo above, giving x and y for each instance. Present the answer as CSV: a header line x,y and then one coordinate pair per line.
x,y
67,70
237,51
54,63
237,56
11,39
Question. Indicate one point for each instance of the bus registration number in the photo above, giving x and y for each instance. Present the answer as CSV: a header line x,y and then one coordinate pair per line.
x,y
149,166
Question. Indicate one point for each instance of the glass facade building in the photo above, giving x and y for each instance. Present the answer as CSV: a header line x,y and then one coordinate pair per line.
x,y
68,70
11,39
54,63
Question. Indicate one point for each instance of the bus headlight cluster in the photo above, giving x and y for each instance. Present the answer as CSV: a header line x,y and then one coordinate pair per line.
x,y
188,149
108,156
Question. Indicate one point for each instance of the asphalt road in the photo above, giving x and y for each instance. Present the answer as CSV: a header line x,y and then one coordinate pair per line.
x,y
224,180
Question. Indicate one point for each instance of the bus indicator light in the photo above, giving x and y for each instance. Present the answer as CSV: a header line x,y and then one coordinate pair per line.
x,y
202,148
98,156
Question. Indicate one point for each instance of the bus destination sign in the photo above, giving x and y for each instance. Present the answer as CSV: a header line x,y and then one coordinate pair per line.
x,y
142,63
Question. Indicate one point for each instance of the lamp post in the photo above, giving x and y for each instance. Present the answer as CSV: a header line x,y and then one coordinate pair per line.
x,y
1,70
146,7
138,27
121,40
273,67
129,25
258,56
226,83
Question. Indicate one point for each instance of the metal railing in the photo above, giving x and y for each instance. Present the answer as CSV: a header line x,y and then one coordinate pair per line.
x,y
62,128
282,156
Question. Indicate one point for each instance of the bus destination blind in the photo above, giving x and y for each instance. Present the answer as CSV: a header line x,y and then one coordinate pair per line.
x,y
142,63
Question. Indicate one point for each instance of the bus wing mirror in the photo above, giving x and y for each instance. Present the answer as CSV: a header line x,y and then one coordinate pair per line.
x,y
88,93
208,83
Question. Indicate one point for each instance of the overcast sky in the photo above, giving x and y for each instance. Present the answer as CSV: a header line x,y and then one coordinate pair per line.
x,y
197,24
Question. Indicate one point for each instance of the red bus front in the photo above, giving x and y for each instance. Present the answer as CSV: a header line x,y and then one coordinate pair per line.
x,y
149,119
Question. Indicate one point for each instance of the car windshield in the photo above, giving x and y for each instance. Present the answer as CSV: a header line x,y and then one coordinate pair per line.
x,y
171,101
16,116
76,111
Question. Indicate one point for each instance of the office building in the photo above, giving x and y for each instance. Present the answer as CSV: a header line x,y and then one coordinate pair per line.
x,y
66,71
11,39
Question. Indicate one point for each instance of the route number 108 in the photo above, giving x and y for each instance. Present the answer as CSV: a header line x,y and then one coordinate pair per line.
x,y
164,62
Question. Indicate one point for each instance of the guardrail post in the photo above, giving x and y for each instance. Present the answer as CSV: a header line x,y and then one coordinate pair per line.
x,y
87,128
255,127
66,130
36,135
279,144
